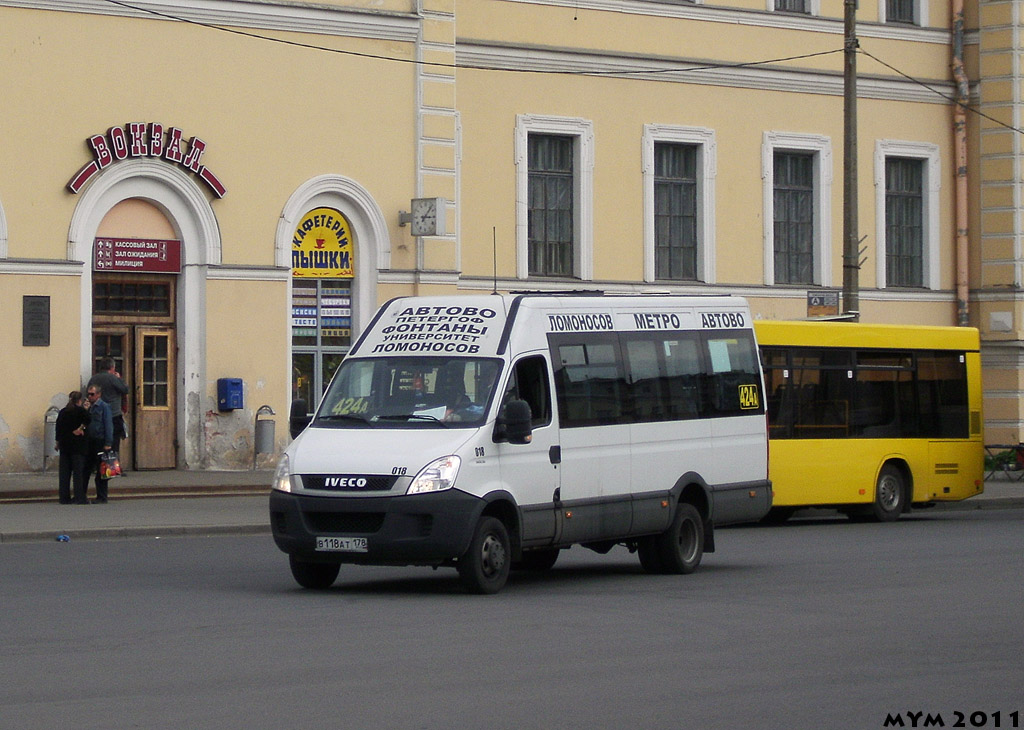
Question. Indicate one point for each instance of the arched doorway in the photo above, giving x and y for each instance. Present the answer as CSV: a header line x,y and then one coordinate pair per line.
x,y
136,264
165,347
329,313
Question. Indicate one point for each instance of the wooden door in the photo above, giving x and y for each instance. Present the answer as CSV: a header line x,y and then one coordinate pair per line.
x,y
155,424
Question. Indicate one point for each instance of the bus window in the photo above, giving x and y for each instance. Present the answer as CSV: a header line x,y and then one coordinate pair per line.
x,y
884,405
942,394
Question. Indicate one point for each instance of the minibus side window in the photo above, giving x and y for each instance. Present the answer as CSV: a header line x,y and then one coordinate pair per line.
x,y
733,380
589,381
664,376
529,382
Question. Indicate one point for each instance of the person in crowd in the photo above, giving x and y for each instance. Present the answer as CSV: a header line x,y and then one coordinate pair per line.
x,y
101,438
73,447
114,391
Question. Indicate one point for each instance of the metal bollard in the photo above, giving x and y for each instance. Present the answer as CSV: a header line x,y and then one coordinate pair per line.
x,y
264,433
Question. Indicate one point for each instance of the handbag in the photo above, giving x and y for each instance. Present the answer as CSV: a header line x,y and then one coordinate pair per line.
x,y
110,465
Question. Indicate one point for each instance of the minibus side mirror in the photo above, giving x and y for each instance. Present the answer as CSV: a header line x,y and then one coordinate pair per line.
x,y
515,424
298,418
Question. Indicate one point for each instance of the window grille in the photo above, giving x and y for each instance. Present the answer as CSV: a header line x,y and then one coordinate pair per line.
x,y
551,205
675,211
794,218
899,11
115,297
793,6
904,222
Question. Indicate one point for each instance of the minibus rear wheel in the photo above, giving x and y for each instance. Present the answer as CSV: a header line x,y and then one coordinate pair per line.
x,y
317,576
681,546
485,566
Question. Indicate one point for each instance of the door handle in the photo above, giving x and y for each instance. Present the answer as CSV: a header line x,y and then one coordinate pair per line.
x,y
555,454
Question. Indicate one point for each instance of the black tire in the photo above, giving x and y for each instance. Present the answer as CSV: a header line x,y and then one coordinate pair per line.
x,y
890,494
538,560
316,576
485,566
650,559
681,547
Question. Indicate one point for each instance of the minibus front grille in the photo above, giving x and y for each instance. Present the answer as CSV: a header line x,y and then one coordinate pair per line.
x,y
344,522
349,483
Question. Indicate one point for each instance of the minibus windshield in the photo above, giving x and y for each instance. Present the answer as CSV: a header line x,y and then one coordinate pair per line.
x,y
409,392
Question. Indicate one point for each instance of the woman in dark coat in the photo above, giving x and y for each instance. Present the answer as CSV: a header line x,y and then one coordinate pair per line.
x,y
73,445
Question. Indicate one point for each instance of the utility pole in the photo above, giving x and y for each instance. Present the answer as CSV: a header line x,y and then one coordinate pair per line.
x,y
851,242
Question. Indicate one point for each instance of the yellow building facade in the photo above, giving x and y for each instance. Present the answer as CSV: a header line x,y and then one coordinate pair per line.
x,y
220,194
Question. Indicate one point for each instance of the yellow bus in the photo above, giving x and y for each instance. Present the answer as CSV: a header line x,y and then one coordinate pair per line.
x,y
871,419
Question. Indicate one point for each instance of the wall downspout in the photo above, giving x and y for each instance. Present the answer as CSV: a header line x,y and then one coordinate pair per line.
x,y
960,156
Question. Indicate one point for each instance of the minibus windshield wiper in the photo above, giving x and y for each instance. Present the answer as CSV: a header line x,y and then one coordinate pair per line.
x,y
345,417
413,416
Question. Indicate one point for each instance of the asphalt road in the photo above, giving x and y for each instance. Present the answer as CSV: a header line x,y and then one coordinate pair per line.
x,y
815,624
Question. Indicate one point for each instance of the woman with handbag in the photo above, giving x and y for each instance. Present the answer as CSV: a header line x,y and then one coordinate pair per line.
x,y
73,446
101,436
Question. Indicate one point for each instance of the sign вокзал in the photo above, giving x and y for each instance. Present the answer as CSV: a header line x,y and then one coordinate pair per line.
x,y
141,139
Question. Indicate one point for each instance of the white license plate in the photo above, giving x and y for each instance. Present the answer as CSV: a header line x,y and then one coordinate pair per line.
x,y
341,544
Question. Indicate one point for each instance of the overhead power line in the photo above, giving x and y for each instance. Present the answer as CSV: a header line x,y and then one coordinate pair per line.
x,y
616,72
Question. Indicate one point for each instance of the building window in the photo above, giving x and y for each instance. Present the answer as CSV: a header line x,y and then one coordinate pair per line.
x,y
675,211
907,184
797,175
794,218
551,206
121,296
899,11
903,12
679,203
904,222
554,184
793,6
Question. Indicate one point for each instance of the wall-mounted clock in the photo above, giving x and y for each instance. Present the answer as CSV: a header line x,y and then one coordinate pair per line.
x,y
427,216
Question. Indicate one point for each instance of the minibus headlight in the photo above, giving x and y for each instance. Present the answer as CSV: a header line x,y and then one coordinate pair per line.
x,y
436,476
283,477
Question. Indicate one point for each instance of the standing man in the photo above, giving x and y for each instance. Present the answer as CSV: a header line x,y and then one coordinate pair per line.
x,y
101,437
114,390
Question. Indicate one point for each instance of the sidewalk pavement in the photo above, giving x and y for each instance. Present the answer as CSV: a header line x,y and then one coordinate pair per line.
x,y
178,502
141,503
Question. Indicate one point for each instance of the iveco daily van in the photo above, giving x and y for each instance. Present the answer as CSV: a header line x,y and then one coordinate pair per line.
x,y
491,432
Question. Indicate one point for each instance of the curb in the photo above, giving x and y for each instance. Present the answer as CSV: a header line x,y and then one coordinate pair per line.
x,y
24,496
125,533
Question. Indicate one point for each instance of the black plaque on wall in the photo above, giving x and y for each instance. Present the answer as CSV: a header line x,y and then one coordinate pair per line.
x,y
35,321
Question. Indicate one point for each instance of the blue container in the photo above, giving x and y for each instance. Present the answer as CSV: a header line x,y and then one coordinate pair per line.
x,y
229,394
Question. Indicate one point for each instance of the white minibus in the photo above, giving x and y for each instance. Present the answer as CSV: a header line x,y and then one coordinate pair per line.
x,y
487,433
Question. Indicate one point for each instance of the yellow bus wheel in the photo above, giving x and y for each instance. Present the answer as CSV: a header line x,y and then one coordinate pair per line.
x,y
890,494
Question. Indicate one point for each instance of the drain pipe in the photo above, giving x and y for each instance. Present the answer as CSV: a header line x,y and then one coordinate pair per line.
x,y
960,158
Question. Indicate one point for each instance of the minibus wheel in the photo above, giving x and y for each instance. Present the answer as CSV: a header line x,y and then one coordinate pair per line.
x,y
485,566
317,576
890,494
681,546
